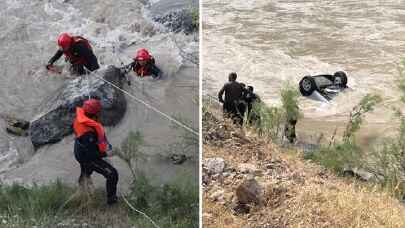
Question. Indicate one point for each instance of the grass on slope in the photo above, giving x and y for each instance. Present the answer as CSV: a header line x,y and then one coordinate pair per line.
x,y
171,205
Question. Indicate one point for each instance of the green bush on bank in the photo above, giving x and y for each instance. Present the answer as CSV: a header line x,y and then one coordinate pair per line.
x,y
32,205
170,205
270,121
346,153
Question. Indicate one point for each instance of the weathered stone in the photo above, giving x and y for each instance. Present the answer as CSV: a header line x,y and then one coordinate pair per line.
x,y
217,195
360,174
249,191
247,168
214,165
57,113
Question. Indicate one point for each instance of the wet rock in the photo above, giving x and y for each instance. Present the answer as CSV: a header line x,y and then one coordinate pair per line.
x,y
177,21
16,126
179,15
178,159
57,113
249,192
214,165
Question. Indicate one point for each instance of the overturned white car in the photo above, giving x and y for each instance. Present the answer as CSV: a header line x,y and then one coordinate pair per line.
x,y
325,84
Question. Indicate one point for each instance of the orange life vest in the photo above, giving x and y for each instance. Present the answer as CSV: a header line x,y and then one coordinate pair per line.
x,y
83,124
73,58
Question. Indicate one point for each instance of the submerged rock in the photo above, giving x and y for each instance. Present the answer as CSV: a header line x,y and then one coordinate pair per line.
x,y
178,159
57,113
16,126
178,21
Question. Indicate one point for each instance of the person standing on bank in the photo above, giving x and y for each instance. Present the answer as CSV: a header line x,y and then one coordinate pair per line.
x,y
233,94
91,145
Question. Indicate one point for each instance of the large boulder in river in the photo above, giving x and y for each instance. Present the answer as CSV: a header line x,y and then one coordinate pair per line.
x,y
57,113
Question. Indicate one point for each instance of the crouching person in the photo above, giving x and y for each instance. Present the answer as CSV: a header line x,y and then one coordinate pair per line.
x,y
91,146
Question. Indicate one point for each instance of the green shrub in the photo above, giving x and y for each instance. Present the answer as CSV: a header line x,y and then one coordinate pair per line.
x,y
170,205
346,153
26,206
33,202
130,151
337,156
366,105
270,121
289,99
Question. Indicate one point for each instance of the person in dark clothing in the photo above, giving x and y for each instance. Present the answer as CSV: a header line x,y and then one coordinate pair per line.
x,y
233,94
289,130
78,52
242,105
91,146
144,65
250,97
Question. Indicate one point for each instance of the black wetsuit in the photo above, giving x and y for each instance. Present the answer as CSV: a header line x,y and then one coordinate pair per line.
x,y
88,155
79,50
233,94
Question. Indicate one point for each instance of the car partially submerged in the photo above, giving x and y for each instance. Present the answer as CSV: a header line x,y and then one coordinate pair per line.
x,y
325,84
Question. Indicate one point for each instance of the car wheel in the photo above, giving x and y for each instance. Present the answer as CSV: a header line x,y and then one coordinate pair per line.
x,y
307,86
343,78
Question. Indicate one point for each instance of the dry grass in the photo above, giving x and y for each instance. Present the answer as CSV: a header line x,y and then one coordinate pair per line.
x,y
215,215
340,205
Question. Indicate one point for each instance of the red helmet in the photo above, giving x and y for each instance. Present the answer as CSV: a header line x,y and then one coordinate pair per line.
x,y
92,106
142,54
65,40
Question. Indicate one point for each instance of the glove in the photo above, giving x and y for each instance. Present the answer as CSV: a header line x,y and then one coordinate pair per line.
x,y
49,66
